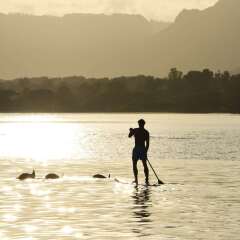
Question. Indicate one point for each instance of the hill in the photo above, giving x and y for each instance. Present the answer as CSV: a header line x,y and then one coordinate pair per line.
x,y
199,39
76,44
119,44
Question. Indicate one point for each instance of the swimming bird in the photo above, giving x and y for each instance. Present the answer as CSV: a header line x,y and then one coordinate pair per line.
x,y
25,176
100,176
52,176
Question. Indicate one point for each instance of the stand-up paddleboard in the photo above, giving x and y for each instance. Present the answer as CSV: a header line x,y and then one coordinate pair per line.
x,y
133,184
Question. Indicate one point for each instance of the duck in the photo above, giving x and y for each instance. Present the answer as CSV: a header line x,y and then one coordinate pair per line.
x,y
52,176
25,176
101,176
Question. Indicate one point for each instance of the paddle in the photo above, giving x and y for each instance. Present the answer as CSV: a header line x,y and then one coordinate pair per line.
x,y
159,181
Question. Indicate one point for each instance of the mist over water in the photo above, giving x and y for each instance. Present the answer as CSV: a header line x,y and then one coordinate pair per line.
x,y
196,155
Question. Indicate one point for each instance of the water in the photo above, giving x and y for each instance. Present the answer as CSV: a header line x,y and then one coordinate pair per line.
x,y
196,155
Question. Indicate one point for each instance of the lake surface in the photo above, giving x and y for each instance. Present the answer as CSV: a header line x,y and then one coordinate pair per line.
x,y
196,155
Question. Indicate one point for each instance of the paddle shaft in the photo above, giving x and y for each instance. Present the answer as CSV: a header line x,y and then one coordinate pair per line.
x,y
159,181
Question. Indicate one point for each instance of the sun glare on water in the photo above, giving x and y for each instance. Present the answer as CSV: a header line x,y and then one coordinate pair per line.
x,y
41,138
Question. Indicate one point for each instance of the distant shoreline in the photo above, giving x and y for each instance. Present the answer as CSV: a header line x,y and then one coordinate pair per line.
x,y
194,92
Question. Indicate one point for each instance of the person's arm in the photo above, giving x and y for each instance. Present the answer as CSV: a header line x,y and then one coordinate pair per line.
x,y
131,132
147,141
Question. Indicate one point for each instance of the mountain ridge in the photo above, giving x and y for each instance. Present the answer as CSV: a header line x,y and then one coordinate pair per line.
x,y
119,44
200,39
75,44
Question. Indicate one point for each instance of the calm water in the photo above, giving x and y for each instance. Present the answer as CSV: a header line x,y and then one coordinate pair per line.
x,y
196,155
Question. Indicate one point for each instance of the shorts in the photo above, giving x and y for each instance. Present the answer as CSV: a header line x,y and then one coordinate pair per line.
x,y
139,153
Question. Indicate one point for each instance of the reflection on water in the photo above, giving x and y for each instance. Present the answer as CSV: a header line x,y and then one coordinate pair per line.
x,y
203,203
141,211
141,204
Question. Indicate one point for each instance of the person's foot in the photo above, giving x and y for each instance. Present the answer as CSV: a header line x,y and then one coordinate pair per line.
x,y
135,182
147,182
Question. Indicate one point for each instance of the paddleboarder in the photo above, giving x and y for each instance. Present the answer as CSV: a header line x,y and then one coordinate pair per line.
x,y
140,149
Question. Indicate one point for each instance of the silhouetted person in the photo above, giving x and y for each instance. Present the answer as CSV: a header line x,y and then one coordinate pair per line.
x,y
140,150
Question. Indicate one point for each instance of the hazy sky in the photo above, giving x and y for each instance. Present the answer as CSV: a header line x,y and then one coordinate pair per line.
x,y
151,9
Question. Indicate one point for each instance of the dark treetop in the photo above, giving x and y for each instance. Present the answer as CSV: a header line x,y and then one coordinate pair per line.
x,y
194,92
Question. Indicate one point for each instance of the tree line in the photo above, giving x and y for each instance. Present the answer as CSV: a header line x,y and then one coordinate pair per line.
x,y
193,92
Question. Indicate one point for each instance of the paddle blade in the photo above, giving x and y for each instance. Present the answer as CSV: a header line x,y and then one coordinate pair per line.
x,y
160,182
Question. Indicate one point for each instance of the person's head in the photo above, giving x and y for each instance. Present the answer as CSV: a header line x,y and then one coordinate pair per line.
x,y
141,123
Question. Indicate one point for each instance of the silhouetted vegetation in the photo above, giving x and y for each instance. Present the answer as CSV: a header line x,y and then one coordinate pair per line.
x,y
196,91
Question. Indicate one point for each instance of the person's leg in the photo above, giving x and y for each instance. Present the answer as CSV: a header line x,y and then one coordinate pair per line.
x,y
135,171
146,171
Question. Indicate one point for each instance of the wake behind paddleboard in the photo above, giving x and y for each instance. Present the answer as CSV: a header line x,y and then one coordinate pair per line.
x,y
133,184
